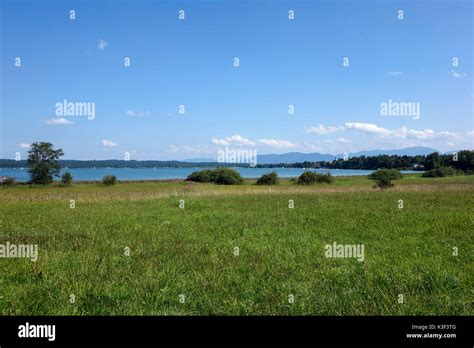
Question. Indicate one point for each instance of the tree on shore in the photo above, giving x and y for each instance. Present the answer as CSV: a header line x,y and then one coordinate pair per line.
x,y
43,162
66,179
383,177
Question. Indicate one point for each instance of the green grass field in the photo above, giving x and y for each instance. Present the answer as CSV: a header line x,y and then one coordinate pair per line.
x,y
191,251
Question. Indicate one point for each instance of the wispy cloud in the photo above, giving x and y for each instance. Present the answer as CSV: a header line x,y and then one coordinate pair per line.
x,y
233,140
57,122
458,74
403,135
108,143
366,128
102,45
137,114
403,132
24,145
344,140
285,144
322,129
395,73
191,149
238,140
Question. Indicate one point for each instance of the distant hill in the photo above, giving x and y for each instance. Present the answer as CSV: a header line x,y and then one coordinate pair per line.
x,y
293,157
408,151
200,160
298,157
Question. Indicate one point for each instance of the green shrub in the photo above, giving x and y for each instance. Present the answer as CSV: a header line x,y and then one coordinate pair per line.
x,y
440,172
383,182
324,178
220,176
201,176
66,179
226,176
309,178
383,177
109,180
8,181
268,179
392,174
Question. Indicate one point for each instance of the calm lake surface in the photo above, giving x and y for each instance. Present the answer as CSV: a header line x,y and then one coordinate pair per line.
x,y
89,174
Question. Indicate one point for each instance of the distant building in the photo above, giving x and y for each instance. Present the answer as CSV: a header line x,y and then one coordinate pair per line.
x,y
417,166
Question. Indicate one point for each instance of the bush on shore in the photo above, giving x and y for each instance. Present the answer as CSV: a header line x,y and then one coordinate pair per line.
x,y
392,174
220,176
383,177
441,172
309,178
109,180
383,182
226,176
268,179
8,181
66,179
201,176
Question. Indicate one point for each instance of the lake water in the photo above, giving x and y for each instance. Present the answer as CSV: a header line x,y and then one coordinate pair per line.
x,y
90,174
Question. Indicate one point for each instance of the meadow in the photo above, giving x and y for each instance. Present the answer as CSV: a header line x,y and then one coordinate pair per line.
x,y
130,249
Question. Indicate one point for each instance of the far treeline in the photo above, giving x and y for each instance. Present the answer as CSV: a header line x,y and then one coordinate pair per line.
x,y
462,160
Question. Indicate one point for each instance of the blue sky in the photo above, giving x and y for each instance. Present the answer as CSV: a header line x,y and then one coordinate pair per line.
x,y
190,62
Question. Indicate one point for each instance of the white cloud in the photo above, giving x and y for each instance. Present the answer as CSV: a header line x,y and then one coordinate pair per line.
x,y
366,128
277,143
102,45
237,140
137,114
221,142
108,143
446,134
404,132
58,121
322,129
458,75
395,73
24,145
233,140
191,149
401,137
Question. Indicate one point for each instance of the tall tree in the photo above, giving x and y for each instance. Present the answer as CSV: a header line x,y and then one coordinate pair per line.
x,y
43,162
433,160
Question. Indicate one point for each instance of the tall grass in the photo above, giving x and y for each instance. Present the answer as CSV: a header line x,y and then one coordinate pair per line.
x,y
191,251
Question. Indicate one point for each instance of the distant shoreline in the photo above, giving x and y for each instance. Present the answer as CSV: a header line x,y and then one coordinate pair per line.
x,y
57,182
88,175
